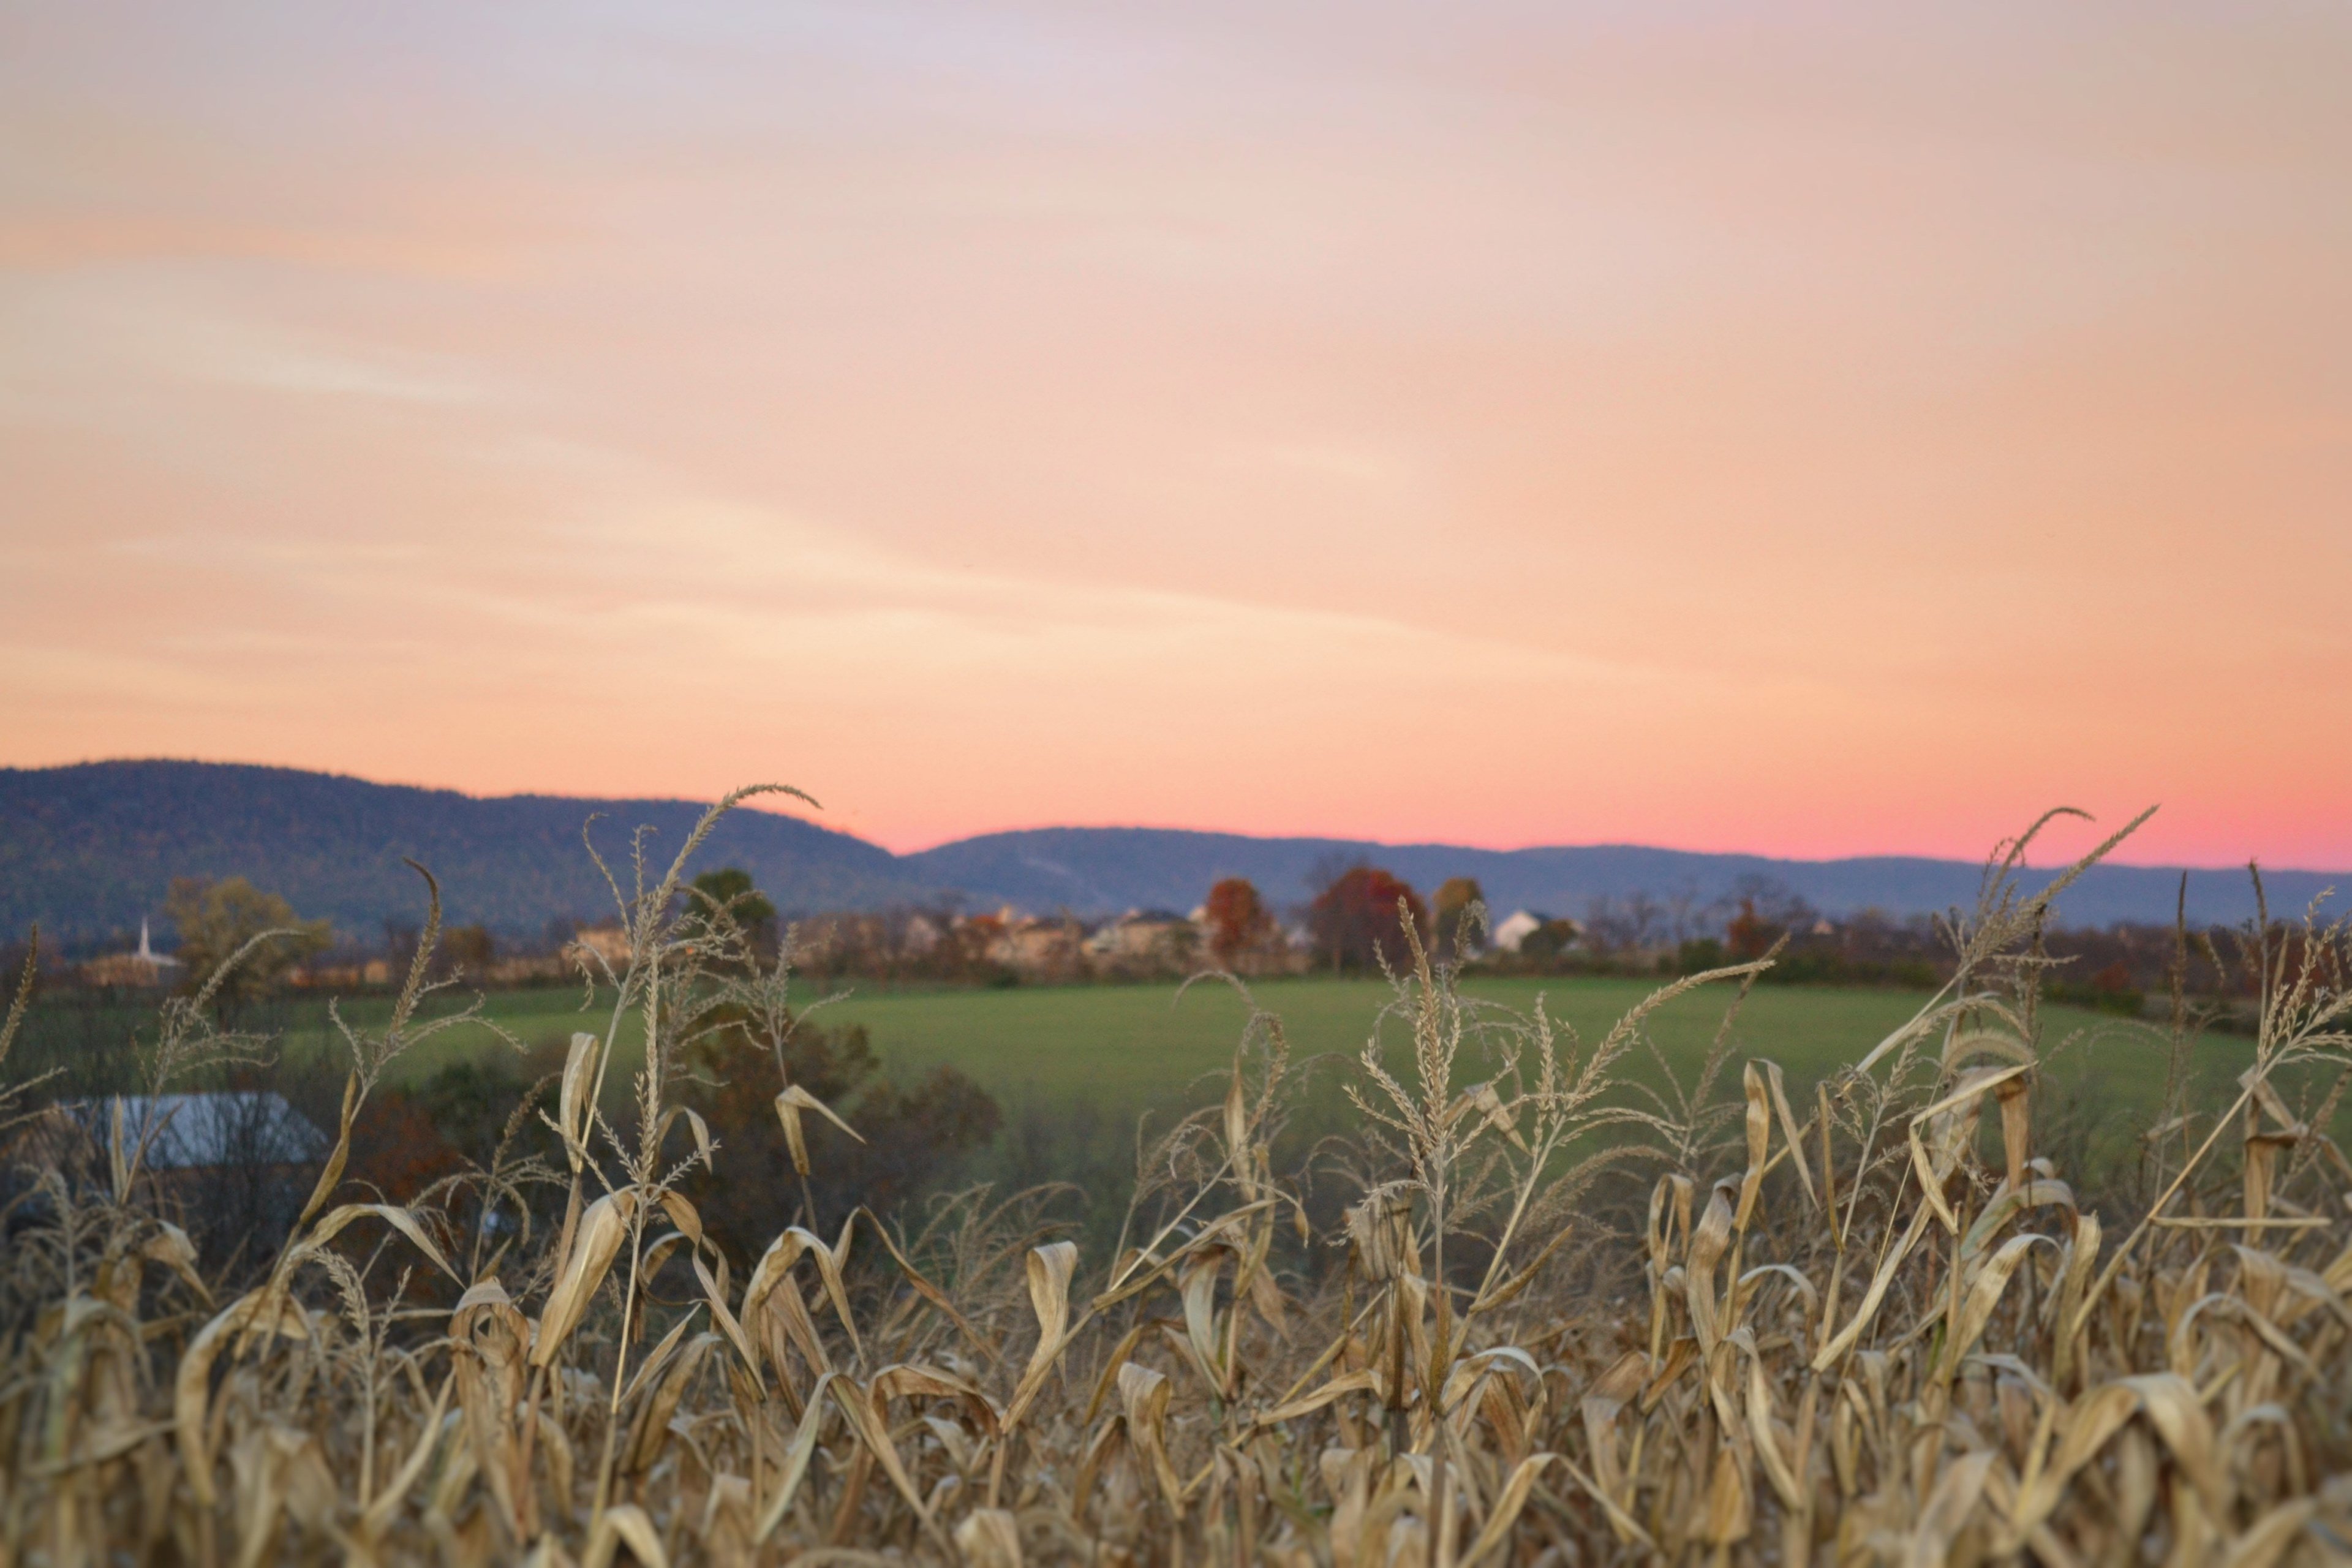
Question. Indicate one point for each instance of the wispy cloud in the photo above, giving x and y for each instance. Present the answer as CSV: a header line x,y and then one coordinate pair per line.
x,y
115,332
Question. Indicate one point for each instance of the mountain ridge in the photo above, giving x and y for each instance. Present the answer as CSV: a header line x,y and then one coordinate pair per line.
x,y
1046,868
89,848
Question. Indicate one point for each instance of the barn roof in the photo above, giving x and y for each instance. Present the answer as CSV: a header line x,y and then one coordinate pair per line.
x,y
188,1131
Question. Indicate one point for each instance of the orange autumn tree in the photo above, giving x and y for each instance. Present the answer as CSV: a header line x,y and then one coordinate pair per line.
x,y
1455,899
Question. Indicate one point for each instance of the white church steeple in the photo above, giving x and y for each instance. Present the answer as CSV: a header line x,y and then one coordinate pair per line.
x,y
147,954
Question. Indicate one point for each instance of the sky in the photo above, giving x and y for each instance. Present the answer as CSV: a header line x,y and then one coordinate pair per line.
x,y
1808,430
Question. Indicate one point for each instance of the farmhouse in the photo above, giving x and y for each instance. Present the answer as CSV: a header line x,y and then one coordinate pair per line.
x,y
1515,929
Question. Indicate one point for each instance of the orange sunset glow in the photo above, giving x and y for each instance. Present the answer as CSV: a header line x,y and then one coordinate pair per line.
x,y
1813,430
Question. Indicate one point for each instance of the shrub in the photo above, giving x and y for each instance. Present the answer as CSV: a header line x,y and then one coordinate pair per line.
x,y
1699,954
906,1139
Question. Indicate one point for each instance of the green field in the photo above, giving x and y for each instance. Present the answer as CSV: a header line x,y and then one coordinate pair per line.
x,y
1123,1048
1146,1046
1119,1050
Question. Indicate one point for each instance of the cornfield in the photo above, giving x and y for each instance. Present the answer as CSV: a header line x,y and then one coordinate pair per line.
x,y
1572,1315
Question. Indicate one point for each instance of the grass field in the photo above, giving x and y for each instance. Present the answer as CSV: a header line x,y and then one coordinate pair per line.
x,y
1146,1044
1115,1051
1121,1049
1155,1045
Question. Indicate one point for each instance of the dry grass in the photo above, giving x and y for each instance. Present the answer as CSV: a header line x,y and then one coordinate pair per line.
x,y
1878,1326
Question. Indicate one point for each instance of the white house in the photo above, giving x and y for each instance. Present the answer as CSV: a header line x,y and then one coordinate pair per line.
x,y
1515,929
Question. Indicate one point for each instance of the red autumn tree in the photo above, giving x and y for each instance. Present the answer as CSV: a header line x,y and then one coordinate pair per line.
x,y
1357,921
1237,919
1750,935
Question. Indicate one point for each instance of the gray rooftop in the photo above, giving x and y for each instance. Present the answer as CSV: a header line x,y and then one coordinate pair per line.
x,y
193,1131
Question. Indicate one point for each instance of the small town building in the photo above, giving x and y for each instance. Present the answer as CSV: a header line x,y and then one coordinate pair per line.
x,y
608,943
1144,936
1037,947
144,967
921,935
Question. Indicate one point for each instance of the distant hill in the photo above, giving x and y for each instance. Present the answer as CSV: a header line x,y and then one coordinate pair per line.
x,y
88,850
1088,868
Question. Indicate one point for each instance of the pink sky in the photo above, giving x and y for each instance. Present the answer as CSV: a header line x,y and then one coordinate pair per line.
x,y
1805,429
